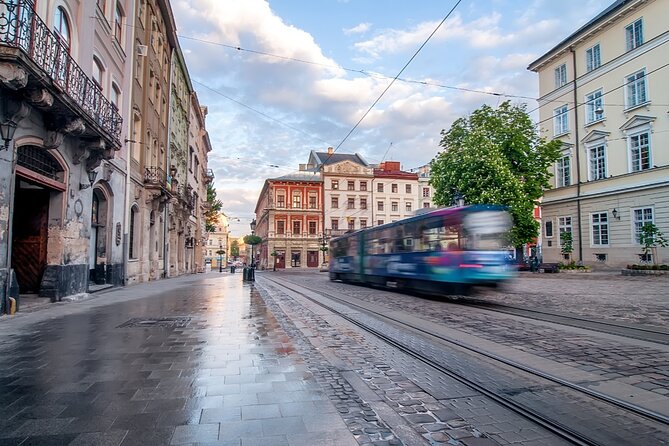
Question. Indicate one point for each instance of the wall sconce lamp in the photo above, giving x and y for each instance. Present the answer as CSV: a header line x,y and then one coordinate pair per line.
x,y
7,130
92,174
616,214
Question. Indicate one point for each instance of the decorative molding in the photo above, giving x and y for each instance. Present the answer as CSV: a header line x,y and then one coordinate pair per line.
x,y
595,135
40,97
53,139
637,121
13,76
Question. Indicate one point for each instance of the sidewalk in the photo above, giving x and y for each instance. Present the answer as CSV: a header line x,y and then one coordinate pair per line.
x,y
195,359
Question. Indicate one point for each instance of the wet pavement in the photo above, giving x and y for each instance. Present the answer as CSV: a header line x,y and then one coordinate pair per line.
x,y
193,360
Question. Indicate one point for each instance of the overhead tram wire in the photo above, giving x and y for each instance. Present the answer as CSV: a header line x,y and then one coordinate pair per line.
x,y
395,78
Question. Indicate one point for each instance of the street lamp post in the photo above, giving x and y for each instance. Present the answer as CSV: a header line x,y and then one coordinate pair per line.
x,y
253,232
220,258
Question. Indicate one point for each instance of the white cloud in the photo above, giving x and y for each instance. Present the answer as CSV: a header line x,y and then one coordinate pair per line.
x,y
358,29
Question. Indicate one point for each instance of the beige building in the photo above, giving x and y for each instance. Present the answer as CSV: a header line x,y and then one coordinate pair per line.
x,y
604,95
425,192
394,193
216,241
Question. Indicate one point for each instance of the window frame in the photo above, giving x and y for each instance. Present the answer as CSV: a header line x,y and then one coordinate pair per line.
x,y
379,187
334,184
560,75
593,101
636,88
296,224
334,202
633,36
593,57
119,15
630,151
561,120
363,203
350,185
594,173
350,203
602,227
562,171
565,224
363,185
62,22
637,225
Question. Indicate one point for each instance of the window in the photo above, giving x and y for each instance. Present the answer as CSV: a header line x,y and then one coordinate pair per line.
x,y
312,227
351,185
408,206
134,230
641,217
635,88
296,227
394,206
350,204
62,27
594,103
639,151
561,120
335,185
426,192
98,72
560,75
407,188
548,228
634,35
379,205
281,201
593,58
363,185
116,96
363,223
334,223
313,203
393,188
379,222
335,202
564,225
363,203
379,187
600,229
118,23
564,171
597,162
297,200
426,205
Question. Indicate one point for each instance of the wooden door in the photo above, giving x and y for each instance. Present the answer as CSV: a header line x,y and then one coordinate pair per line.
x,y
312,259
281,259
29,241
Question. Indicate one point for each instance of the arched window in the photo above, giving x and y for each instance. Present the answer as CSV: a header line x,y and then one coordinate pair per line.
x,y
61,25
133,232
98,72
116,96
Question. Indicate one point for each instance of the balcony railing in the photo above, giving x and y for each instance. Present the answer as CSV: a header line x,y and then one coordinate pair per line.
x,y
155,176
21,27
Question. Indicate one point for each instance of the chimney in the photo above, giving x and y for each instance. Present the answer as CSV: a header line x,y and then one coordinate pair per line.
x,y
330,150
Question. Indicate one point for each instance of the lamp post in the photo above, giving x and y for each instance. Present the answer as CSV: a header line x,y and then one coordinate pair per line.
x,y
220,258
253,232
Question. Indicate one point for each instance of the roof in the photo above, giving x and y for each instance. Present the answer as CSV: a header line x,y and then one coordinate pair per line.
x,y
299,176
320,158
599,18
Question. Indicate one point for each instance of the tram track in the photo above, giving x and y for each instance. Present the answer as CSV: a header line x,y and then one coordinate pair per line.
x,y
547,422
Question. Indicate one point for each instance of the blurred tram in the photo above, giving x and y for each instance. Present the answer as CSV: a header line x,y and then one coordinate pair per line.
x,y
444,251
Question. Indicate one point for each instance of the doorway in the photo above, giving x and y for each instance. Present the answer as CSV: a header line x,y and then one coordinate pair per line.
x,y
312,259
30,234
280,259
295,259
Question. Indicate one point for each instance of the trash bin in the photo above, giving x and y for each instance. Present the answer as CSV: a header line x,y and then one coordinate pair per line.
x,y
249,276
232,269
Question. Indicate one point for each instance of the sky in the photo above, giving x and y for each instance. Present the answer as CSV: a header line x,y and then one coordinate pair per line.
x,y
283,77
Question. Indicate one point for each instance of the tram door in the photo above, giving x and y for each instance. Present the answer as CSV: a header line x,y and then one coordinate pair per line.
x,y
30,235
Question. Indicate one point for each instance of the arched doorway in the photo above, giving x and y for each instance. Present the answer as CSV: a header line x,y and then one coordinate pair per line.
x,y
99,234
39,184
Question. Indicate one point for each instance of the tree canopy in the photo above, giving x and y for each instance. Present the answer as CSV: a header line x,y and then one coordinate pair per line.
x,y
214,206
495,156
252,239
234,248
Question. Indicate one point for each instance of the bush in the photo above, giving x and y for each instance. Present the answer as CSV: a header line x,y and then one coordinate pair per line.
x,y
573,266
663,267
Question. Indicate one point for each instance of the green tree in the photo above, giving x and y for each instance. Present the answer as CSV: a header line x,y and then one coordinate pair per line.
x,y
566,243
214,206
252,239
495,156
234,249
650,238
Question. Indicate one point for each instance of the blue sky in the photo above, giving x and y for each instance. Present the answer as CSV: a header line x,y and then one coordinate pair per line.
x,y
267,110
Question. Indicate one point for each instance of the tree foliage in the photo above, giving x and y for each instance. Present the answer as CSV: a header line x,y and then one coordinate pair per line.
x,y
214,206
650,239
495,156
234,248
252,239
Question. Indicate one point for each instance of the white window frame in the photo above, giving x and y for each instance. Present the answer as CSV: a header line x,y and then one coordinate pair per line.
x,y
561,120
638,223
560,75
600,224
636,89
634,35
591,168
562,180
593,101
630,151
564,225
593,57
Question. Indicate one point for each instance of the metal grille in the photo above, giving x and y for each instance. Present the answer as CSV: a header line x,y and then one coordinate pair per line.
x,y
38,160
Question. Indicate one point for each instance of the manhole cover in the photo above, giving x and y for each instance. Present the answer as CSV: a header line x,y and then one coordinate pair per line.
x,y
165,322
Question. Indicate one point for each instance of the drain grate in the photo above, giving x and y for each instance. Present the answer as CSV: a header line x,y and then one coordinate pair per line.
x,y
163,322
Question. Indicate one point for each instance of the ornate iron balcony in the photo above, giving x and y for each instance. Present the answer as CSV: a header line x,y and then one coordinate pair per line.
x,y
21,27
155,176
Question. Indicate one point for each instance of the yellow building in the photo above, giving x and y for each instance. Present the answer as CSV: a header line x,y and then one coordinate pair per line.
x,y
603,94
